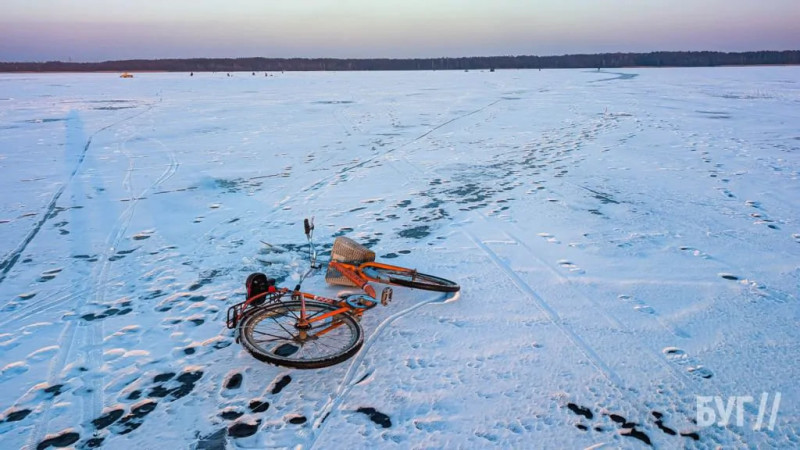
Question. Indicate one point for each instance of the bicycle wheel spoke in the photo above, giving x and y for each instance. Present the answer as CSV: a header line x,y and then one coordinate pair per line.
x,y
324,344
325,325
280,325
279,340
290,311
272,335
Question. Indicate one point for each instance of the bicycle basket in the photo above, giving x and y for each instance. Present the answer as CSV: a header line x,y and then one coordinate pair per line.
x,y
348,251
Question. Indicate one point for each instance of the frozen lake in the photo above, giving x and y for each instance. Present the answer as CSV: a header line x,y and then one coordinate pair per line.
x,y
626,241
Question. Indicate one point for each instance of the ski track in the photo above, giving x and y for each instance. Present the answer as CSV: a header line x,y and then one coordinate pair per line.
x,y
317,187
552,315
86,338
658,357
11,259
344,387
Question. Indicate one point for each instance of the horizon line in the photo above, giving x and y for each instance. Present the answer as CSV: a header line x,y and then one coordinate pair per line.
x,y
376,58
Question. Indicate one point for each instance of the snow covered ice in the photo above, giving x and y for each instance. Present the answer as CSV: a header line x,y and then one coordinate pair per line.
x,y
625,240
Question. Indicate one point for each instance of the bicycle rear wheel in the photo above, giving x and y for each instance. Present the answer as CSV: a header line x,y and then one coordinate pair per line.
x,y
409,278
271,335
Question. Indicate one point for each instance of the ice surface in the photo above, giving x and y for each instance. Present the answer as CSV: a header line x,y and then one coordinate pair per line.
x,y
624,241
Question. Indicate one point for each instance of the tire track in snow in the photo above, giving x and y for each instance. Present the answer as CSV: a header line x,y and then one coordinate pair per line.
x,y
91,333
332,407
11,259
682,368
316,186
551,313
83,338
657,357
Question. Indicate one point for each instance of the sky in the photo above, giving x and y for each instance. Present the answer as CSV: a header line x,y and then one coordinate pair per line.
x,y
100,30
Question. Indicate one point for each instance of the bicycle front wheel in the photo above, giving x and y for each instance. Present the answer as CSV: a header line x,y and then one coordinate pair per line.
x,y
409,278
271,334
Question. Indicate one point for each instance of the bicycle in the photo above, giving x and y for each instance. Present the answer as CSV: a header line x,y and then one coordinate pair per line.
x,y
308,331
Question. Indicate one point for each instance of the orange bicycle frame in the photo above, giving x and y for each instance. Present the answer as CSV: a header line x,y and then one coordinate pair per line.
x,y
356,274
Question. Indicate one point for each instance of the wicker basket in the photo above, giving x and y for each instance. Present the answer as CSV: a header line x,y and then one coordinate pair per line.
x,y
348,251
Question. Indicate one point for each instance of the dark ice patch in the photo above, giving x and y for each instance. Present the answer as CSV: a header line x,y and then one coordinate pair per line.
x,y
94,442
664,428
419,232
231,414
634,433
258,406
691,435
16,415
234,381
87,258
64,439
47,120
219,345
112,311
162,377
333,102
205,279
342,232
121,254
135,418
280,384
187,382
213,441
153,294
580,410
629,428
243,429
286,350
108,418
298,420
54,390
376,416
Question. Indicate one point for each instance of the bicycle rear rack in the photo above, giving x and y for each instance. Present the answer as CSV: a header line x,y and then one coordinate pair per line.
x,y
238,311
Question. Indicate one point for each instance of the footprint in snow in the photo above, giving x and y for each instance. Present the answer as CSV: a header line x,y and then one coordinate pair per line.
x,y
142,235
694,252
12,370
376,416
549,238
120,309
48,275
758,290
278,386
571,267
692,365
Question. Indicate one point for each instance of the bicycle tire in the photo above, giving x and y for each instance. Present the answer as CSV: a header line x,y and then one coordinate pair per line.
x,y
341,339
409,278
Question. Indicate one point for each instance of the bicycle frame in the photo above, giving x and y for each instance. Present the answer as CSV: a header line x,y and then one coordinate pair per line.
x,y
355,273
355,307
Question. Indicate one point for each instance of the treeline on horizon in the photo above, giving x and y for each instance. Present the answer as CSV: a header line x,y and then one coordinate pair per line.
x,y
603,60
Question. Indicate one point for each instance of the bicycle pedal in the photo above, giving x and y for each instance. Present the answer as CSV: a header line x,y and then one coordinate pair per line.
x,y
386,296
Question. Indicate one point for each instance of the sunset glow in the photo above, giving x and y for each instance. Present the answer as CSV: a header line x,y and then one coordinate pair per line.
x,y
92,30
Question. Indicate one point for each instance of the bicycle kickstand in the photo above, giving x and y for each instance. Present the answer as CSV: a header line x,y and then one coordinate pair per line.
x,y
386,296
